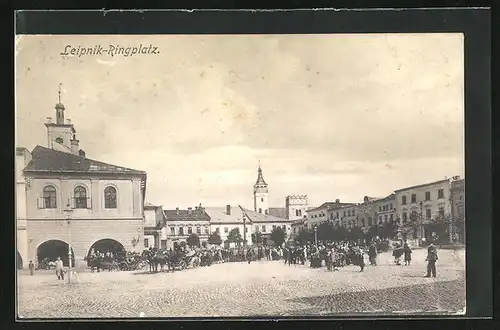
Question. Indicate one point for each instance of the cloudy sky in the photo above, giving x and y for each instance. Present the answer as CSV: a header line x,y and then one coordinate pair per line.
x,y
330,116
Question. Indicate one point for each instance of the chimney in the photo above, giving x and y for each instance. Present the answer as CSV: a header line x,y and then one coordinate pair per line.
x,y
337,201
49,120
190,209
68,121
81,153
177,210
75,144
228,209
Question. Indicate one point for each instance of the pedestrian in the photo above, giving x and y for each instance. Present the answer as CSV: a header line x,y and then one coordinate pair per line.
x,y
249,255
31,267
372,254
59,269
407,253
431,259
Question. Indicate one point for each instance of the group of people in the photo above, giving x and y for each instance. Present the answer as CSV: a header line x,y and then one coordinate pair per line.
x,y
338,254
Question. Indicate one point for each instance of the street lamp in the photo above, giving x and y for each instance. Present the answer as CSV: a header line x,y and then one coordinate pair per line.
x,y
244,231
316,235
67,212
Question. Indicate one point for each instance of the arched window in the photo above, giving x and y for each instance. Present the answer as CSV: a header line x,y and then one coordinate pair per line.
x,y
110,198
80,196
49,197
60,140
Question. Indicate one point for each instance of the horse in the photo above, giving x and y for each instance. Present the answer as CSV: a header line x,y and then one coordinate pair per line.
x,y
149,255
161,258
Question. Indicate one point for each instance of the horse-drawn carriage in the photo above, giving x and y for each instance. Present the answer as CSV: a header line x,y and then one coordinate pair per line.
x,y
99,262
132,261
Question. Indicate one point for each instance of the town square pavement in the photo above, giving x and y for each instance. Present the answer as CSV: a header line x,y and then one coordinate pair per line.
x,y
262,288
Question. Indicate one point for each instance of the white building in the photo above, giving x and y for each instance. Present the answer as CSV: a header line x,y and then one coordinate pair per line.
x,y
225,219
420,204
180,224
103,202
154,221
332,211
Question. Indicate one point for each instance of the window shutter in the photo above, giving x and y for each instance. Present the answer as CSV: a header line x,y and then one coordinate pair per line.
x,y
40,202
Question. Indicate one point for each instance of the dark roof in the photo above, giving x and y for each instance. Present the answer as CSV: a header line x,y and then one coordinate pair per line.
x,y
329,205
423,185
186,215
256,217
260,178
279,212
50,160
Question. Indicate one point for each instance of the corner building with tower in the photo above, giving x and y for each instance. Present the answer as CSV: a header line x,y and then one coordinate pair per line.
x,y
64,198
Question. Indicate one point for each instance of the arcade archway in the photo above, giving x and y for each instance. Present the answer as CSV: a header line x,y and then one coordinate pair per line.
x,y
19,260
51,250
105,245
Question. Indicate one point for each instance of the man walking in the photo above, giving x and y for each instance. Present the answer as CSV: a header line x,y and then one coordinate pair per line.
x,y
431,259
249,255
31,267
407,253
59,269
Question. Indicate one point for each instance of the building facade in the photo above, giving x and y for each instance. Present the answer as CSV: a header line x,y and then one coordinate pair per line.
x,y
154,221
458,208
328,211
296,207
225,219
23,157
419,205
180,224
385,210
265,224
70,198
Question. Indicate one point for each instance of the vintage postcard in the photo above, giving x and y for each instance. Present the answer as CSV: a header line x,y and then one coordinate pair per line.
x,y
240,175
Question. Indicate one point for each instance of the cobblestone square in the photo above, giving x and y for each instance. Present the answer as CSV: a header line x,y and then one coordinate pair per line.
x,y
262,288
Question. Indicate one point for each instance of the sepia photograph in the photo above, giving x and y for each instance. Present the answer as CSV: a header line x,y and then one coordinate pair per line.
x,y
238,175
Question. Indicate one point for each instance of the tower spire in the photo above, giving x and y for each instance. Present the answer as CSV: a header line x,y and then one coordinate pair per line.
x,y
59,92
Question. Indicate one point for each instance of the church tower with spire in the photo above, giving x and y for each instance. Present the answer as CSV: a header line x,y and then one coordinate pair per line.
x,y
61,135
260,194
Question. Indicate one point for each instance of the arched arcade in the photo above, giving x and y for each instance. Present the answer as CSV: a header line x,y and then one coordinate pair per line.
x,y
105,245
51,250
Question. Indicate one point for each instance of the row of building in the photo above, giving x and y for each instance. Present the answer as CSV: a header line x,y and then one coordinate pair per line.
x,y
64,197
442,200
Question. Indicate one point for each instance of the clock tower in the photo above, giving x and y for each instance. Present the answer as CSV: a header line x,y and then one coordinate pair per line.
x,y
260,194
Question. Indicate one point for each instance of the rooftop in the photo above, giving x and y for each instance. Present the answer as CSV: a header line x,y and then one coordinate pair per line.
x,y
219,215
279,212
50,160
331,205
186,215
261,218
424,185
